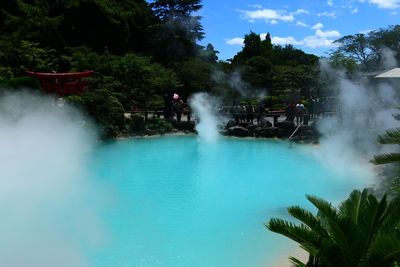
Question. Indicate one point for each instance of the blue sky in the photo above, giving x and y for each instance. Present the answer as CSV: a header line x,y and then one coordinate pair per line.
x,y
311,25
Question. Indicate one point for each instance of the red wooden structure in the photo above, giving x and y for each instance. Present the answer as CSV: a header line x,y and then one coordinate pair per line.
x,y
62,83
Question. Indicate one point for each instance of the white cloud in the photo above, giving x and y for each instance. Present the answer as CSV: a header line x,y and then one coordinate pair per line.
x,y
315,42
393,13
301,11
311,41
268,15
389,4
327,14
301,24
319,39
234,41
329,3
386,4
327,34
285,40
318,26
353,11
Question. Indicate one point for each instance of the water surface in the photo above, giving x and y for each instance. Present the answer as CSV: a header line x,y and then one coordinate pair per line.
x,y
175,201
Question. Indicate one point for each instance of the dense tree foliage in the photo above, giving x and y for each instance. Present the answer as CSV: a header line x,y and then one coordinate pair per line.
x,y
140,50
370,51
285,73
178,30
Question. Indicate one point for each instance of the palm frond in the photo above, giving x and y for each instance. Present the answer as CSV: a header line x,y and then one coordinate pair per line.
x,y
340,237
386,158
299,233
324,207
297,262
353,206
386,248
308,219
391,136
392,220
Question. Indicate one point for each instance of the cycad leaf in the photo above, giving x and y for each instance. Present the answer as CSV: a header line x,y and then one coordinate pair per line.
x,y
353,206
391,136
301,234
386,248
340,237
297,262
387,158
324,207
392,220
308,219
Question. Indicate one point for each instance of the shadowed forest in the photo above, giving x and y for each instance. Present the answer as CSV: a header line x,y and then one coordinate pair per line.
x,y
141,50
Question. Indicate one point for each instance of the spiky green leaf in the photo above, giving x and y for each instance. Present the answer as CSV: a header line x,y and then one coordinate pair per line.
x,y
386,158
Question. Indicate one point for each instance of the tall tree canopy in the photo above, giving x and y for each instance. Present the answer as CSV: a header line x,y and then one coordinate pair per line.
x,y
371,51
179,29
119,26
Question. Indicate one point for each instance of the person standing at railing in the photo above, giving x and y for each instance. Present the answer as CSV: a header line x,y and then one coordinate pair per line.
x,y
290,111
260,113
299,112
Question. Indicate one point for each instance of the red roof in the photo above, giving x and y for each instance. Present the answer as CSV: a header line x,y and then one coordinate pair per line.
x,y
66,75
62,83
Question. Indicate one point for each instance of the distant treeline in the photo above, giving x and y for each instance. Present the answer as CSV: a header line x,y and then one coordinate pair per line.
x,y
141,49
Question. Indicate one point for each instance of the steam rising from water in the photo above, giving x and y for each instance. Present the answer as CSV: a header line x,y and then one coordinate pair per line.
x,y
44,196
365,110
204,108
236,82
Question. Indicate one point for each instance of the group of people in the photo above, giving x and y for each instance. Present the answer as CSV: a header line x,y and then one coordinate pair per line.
x,y
295,111
247,113
175,107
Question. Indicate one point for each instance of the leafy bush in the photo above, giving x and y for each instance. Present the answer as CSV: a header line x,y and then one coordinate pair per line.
x,y
106,110
23,82
160,126
75,101
137,124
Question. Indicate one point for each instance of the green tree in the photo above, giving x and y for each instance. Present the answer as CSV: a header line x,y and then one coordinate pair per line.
x,y
362,231
123,25
369,50
209,54
195,76
295,82
105,109
178,31
339,61
142,79
251,48
356,47
254,62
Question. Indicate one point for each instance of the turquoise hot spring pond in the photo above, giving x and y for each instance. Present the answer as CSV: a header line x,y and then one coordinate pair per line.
x,y
174,201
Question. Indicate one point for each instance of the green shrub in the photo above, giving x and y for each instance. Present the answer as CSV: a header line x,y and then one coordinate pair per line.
x,y
23,82
160,126
137,124
75,100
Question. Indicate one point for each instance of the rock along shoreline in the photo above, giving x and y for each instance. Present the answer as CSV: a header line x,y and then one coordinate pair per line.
x,y
283,130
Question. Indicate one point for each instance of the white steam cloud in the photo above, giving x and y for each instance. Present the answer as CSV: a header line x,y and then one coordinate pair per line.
x,y
44,196
205,109
388,58
236,82
364,111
